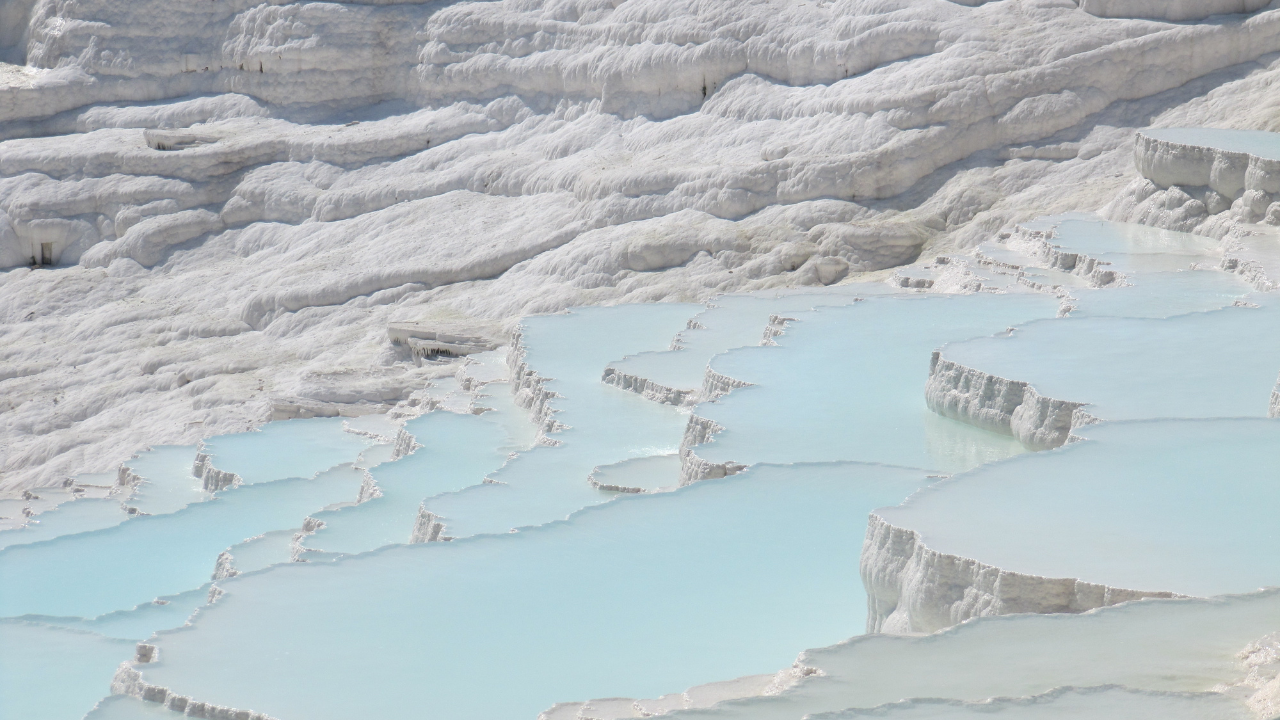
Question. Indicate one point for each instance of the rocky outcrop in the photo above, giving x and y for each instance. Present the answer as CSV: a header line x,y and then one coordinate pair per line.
x,y
428,527
697,431
128,681
649,389
1039,246
1253,271
1261,683
912,588
1274,409
368,488
297,551
777,326
715,385
1009,407
127,480
404,444
224,567
211,477
1202,189
530,390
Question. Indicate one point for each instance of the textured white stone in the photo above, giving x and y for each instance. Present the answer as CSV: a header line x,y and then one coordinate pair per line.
x,y
914,589
254,192
1010,407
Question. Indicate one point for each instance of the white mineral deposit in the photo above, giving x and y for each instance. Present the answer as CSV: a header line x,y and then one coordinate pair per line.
x,y
600,359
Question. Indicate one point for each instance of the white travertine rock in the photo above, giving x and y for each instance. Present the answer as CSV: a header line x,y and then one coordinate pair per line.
x,y
1273,409
224,567
1039,245
1010,407
695,698
649,389
211,477
128,681
914,589
328,170
700,430
530,392
1218,188
1175,10
297,548
428,527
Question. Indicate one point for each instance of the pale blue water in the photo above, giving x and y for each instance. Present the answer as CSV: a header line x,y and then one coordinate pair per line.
x,y
1163,295
168,484
1068,703
606,424
264,550
54,673
1255,142
125,707
68,518
847,384
148,557
137,623
636,598
499,404
1131,247
458,451
286,449
656,472
1214,364
730,321
1166,273
1187,506
1157,645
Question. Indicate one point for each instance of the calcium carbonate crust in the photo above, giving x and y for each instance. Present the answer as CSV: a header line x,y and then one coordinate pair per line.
x,y
912,588
128,681
246,243
649,389
700,430
1273,409
697,697
1039,246
211,478
1208,191
531,392
1009,407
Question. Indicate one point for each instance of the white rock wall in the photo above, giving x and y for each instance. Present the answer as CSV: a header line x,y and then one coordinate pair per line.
x,y
1205,190
912,588
648,388
1009,407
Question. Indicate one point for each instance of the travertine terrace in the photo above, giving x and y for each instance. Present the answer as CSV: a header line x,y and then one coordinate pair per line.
x,y
597,359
